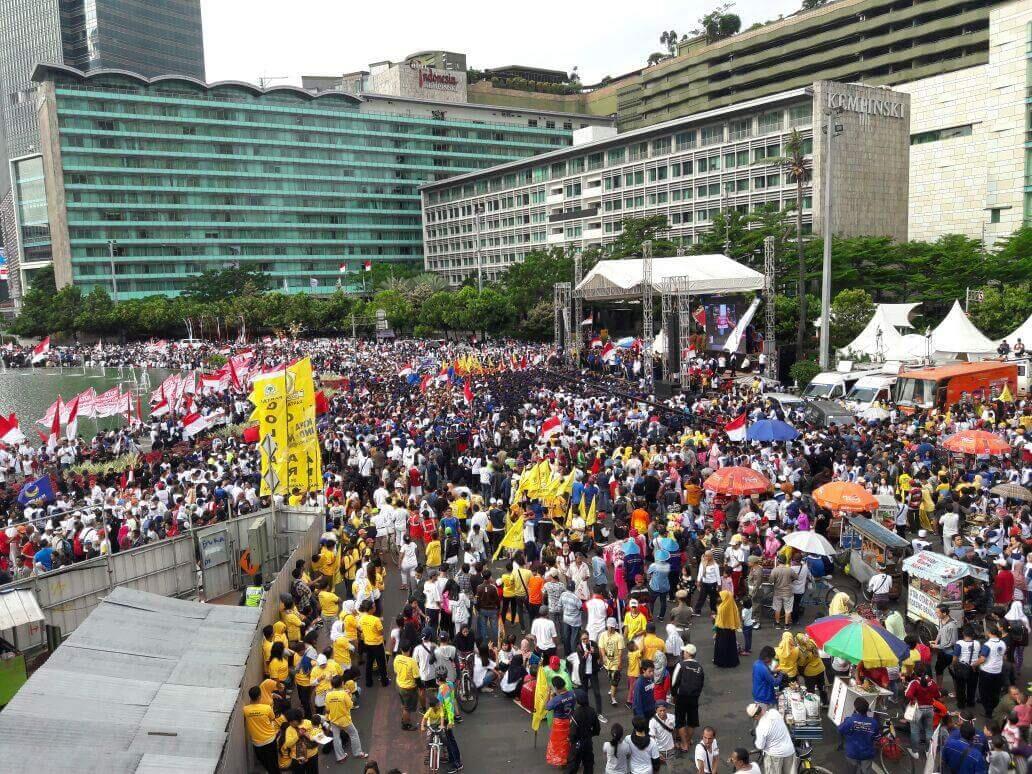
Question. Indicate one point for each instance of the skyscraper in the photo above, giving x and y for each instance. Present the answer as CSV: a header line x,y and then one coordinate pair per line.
x,y
150,37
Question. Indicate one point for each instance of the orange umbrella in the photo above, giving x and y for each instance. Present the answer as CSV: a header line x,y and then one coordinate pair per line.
x,y
737,481
976,442
845,496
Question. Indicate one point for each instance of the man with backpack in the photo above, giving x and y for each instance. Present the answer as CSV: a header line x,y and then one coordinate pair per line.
x,y
686,685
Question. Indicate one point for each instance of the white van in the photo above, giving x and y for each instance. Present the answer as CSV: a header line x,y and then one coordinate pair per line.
x,y
869,390
831,385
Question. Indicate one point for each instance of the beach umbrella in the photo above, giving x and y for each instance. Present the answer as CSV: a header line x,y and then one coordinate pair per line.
x,y
737,481
845,496
771,430
857,640
810,543
1013,491
976,442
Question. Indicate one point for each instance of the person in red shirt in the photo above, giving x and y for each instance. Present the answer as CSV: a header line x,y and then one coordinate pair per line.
x,y
1003,584
922,691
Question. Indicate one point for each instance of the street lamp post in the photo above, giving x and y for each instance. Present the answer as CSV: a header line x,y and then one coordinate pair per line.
x,y
831,129
112,245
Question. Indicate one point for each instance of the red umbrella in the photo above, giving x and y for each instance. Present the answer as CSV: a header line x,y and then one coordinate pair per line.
x,y
976,442
737,481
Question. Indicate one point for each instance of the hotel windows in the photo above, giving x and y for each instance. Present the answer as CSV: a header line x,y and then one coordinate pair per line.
x,y
740,129
711,135
685,140
771,122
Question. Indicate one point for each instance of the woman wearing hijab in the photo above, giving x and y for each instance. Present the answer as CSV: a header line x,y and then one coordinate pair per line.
x,y
1020,581
788,656
811,665
841,604
725,627
1017,635
512,680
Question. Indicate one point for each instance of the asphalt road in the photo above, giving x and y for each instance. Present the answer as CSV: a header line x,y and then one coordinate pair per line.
x,y
498,734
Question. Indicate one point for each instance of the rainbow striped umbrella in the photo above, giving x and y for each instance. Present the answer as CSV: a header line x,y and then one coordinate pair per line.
x,y
857,640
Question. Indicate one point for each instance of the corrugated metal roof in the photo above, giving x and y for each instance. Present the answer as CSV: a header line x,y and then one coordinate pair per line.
x,y
155,679
18,607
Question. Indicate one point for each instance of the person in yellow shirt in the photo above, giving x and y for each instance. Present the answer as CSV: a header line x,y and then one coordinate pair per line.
x,y
271,692
460,508
406,677
280,660
309,745
303,673
508,580
788,655
338,712
633,668
372,639
634,621
433,554
293,621
287,740
521,590
651,644
322,673
611,648
262,727
328,562
329,605
342,650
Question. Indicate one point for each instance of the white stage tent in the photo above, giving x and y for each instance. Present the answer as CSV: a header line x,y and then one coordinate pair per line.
x,y
621,279
898,315
957,335
876,339
1023,332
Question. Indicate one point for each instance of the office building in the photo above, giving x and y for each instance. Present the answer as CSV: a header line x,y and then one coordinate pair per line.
x,y
149,37
183,176
686,170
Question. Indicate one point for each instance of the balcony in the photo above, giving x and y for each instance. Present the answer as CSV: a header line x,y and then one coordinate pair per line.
x,y
557,238
583,212
555,198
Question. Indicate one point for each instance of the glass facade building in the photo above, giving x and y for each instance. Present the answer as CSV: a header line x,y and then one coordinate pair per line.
x,y
185,176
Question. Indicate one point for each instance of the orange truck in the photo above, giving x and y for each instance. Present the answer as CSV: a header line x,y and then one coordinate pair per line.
x,y
947,385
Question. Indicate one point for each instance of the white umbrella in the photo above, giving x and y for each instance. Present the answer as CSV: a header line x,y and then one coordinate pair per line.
x,y
875,412
810,543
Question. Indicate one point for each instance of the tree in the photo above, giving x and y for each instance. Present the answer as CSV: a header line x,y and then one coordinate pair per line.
x,y
1003,309
655,58
229,282
98,313
669,39
851,310
398,308
718,24
795,163
809,5
727,236
35,318
638,230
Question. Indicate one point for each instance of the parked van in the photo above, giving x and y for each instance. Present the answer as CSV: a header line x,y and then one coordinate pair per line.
x,y
944,386
870,390
831,385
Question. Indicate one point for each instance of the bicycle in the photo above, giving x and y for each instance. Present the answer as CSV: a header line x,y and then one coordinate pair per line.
x,y
435,744
893,757
804,752
820,594
466,692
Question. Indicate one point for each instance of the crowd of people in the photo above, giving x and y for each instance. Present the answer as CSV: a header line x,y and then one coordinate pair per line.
x,y
550,534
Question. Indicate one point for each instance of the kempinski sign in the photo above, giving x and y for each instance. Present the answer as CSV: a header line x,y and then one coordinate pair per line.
x,y
867,105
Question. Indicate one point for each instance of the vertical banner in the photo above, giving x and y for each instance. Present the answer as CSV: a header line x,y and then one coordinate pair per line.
x,y
304,457
270,409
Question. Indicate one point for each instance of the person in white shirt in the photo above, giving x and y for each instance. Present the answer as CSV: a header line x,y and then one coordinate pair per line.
x,y
544,633
707,753
644,752
773,740
741,764
661,729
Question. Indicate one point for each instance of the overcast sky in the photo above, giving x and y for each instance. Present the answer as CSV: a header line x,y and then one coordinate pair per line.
x,y
246,39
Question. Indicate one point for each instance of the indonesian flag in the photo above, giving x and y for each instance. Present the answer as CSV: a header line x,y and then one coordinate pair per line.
x,y
216,382
406,370
193,424
596,342
367,265
41,350
587,320
55,432
735,429
9,431
467,393
699,315
425,382
609,351
72,427
160,409
88,403
54,410
107,403
550,427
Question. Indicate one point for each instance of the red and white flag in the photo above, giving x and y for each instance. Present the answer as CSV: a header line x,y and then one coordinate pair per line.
x,y
367,266
193,424
55,432
735,429
54,410
160,409
609,352
107,403
88,403
550,427
467,393
9,431
41,350
72,426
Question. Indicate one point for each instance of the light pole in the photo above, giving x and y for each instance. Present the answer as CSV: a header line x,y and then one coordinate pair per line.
x,y
112,246
831,129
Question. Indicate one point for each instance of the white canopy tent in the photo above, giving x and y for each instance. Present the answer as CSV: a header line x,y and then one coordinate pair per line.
x,y
621,279
957,336
877,338
898,315
1023,332
912,346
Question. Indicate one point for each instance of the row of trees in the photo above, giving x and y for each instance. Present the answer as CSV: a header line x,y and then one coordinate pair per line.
x,y
865,270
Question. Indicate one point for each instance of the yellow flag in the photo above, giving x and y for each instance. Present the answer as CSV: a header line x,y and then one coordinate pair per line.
x,y
304,454
1006,395
540,699
270,410
513,538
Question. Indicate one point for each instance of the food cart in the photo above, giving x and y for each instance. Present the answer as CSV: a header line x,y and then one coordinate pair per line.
x,y
888,508
21,620
845,690
872,548
936,580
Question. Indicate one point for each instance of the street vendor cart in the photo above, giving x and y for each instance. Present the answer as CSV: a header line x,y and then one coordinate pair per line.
x,y
888,508
936,580
872,548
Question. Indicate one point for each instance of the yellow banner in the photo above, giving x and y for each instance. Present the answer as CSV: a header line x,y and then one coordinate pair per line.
x,y
540,699
270,410
513,538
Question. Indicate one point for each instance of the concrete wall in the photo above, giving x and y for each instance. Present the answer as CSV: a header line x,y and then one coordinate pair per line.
x,y
870,168
986,169
420,82
600,102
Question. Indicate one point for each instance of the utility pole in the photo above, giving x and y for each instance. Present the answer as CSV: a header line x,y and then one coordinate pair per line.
x,y
831,129
646,312
578,309
112,246
769,344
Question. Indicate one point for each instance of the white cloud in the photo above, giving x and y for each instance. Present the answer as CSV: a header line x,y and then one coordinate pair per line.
x,y
247,40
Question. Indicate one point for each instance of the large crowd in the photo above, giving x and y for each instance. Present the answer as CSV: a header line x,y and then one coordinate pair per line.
x,y
545,525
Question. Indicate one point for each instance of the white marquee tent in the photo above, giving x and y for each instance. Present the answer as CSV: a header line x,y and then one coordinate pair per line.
x,y
621,279
876,339
1023,332
898,315
957,336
